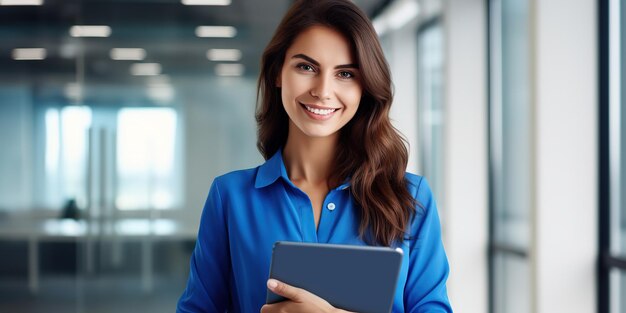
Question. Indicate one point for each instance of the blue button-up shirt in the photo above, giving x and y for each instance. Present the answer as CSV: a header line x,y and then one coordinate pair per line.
x,y
247,211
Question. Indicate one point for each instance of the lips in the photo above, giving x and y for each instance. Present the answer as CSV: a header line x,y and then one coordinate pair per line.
x,y
318,110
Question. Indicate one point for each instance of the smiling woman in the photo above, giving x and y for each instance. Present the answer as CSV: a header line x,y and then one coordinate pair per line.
x,y
334,173
320,92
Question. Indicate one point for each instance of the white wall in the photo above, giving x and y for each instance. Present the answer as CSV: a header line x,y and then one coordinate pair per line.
x,y
566,149
466,174
402,57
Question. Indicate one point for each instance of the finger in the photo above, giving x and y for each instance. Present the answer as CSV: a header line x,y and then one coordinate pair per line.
x,y
266,309
285,306
285,290
270,308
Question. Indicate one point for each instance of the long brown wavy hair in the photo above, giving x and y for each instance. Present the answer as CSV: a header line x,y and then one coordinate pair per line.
x,y
371,152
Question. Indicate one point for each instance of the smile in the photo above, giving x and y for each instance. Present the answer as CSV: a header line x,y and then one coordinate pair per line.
x,y
317,111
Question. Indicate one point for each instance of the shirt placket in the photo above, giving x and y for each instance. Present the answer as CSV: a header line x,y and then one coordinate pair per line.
x,y
328,216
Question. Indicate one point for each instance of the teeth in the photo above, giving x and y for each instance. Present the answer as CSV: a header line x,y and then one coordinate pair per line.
x,y
320,111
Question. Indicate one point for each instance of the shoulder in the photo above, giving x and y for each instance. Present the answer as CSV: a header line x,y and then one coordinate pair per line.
x,y
413,182
426,218
227,189
418,186
238,179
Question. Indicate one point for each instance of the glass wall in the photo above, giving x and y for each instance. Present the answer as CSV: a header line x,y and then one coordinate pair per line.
x,y
511,272
510,155
430,79
114,118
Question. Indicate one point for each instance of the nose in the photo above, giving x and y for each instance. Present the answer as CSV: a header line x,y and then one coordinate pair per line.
x,y
322,89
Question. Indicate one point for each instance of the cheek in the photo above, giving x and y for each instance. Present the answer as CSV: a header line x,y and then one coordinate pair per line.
x,y
353,97
286,92
292,85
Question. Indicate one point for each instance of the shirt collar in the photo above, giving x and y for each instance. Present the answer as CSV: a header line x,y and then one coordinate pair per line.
x,y
274,168
345,185
271,170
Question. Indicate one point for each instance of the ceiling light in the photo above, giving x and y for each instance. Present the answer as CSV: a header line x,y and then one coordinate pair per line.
x,y
29,54
396,15
21,2
224,55
229,69
145,69
216,31
206,2
128,54
90,31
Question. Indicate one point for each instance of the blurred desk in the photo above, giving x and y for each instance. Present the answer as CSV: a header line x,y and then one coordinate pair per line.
x,y
145,231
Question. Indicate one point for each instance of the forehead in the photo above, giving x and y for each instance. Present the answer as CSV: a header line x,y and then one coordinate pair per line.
x,y
323,44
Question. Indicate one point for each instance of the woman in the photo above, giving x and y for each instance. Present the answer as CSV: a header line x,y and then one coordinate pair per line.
x,y
334,173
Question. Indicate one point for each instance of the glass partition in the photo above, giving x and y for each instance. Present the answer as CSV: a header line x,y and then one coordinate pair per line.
x,y
430,89
115,116
511,118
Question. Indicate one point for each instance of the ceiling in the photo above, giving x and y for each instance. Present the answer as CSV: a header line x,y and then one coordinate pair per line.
x,y
164,28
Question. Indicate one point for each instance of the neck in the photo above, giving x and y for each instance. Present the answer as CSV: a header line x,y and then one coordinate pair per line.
x,y
309,159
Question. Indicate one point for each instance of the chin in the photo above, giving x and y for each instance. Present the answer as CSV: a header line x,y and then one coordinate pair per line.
x,y
318,133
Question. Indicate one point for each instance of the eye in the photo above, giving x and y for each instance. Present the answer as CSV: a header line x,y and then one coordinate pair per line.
x,y
346,75
305,67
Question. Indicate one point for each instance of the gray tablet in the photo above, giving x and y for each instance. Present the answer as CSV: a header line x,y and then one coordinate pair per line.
x,y
354,278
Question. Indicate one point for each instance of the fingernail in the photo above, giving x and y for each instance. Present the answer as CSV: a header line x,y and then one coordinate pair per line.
x,y
272,284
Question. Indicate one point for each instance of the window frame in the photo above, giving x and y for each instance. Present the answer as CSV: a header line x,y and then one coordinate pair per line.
x,y
607,260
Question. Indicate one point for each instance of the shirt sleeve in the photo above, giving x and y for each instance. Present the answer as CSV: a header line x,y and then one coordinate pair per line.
x,y
425,289
208,284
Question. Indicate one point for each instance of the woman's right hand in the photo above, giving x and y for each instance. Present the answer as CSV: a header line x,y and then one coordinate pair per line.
x,y
300,300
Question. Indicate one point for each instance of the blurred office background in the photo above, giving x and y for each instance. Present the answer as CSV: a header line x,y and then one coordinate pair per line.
x,y
115,115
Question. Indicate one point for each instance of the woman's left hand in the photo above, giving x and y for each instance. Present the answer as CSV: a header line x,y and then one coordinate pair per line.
x,y
300,300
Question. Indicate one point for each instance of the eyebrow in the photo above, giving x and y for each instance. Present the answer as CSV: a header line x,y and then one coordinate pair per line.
x,y
310,59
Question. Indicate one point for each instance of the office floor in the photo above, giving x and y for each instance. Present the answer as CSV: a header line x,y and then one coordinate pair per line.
x,y
65,294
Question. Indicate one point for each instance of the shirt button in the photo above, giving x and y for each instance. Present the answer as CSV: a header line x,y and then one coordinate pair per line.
x,y
331,206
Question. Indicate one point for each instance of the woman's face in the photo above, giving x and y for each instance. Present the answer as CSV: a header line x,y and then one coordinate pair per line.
x,y
320,83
